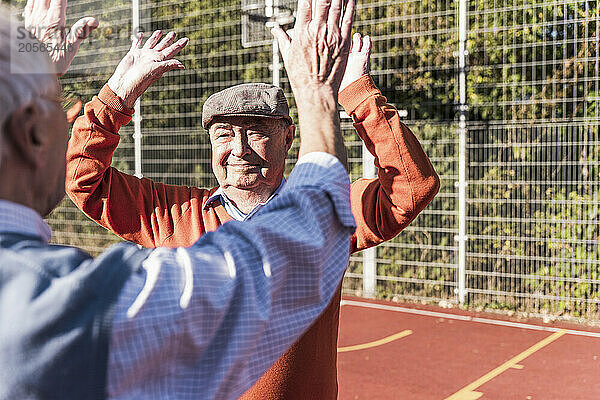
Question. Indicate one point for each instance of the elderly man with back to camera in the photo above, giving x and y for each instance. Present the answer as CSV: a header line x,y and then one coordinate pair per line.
x,y
185,323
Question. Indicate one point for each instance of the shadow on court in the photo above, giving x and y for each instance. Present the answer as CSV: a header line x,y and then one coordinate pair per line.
x,y
393,351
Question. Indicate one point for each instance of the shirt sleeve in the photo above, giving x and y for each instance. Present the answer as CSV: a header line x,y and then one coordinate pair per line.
x,y
406,181
212,318
138,210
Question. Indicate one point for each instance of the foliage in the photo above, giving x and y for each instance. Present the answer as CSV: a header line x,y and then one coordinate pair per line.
x,y
533,152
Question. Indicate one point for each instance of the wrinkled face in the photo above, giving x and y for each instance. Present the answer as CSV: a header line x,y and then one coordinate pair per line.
x,y
249,152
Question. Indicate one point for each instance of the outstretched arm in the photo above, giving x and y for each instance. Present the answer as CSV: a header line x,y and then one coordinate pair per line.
x,y
406,180
316,72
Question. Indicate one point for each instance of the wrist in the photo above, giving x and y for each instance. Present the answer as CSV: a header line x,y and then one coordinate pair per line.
x,y
313,92
126,97
319,99
357,92
113,101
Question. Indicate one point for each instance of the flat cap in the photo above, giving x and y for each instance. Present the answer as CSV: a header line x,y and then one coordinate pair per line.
x,y
248,99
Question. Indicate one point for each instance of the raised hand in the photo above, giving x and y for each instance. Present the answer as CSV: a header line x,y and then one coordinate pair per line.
x,y
358,60
315,59
316,53
142,66
45,19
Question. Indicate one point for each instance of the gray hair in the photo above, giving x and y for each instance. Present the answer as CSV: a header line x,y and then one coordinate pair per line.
x,y
18,86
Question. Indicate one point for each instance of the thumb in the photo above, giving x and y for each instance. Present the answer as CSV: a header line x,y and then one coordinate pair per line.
x,y
166,66
81,30
283,40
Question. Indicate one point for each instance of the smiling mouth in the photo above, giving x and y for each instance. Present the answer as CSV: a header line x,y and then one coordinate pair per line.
x,y
243,166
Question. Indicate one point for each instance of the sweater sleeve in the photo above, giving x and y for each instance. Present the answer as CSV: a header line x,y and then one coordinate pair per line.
x,y
138,210
406,180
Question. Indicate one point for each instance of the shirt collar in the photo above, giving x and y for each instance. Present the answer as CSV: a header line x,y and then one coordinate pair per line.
x,y
16,218
231,209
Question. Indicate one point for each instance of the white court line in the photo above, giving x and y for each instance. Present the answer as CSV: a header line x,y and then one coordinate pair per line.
x,y
467,318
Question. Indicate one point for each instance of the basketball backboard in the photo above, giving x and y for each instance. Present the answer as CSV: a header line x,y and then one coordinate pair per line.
x,y
258,16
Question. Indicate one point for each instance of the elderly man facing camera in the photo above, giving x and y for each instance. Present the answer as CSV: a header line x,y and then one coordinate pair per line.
x,y
202,322
250,132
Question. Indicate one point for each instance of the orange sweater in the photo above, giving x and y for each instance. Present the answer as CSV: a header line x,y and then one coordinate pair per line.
x,y
154,214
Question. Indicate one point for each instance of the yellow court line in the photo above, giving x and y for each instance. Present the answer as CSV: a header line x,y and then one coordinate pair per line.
x,y
468,393
376,343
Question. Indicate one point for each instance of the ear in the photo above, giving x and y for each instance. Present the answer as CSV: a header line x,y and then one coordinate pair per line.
x,y
289,136
22,133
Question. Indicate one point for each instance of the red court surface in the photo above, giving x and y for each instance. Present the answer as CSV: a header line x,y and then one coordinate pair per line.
x,y
396,351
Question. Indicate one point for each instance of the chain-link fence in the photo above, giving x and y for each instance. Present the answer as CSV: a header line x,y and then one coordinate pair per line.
x,y
532,149
534,155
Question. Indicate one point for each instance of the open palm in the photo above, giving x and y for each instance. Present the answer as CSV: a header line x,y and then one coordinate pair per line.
x,y
142,66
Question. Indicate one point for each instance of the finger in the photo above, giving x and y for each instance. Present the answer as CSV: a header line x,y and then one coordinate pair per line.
x,y
335,14
321,11
356,43
81,30
40,8
304,13
169,65
366,45
175,48
152,40
137,40
27,11
166,42
283,40
58,7
346,28
58,4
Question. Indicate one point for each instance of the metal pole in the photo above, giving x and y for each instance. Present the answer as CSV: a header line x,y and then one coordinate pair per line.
x,y
137,116
272,11
276,63
369,255
462,151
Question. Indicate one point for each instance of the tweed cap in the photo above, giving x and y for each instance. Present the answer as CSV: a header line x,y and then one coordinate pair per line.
x,y
248,99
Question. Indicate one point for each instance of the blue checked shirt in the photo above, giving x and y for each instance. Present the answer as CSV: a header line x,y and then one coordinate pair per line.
x,y
206,322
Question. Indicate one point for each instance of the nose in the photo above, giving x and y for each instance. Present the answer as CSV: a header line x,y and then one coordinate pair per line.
x,y
239,145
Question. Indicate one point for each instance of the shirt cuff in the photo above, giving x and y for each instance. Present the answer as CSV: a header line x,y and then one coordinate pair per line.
x,y
111,100
320,158
323,170
357,92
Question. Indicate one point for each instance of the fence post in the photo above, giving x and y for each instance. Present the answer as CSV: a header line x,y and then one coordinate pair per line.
x,y
369,255
276,63
462,151
271,11
137,115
